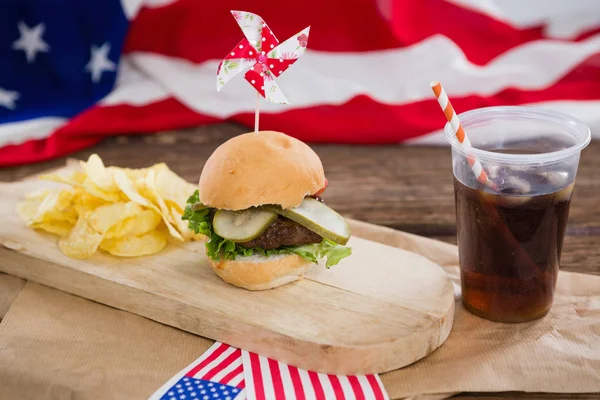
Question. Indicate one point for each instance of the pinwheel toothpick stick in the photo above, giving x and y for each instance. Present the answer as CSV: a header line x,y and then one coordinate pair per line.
x,y
260,55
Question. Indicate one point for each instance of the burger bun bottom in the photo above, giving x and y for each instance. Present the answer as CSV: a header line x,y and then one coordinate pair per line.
x,y
261,273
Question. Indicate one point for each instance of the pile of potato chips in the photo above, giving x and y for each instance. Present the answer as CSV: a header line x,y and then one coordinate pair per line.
x,y
126,212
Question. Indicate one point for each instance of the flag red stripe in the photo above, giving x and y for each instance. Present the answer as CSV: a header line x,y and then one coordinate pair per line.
x,y
213,356
337,387
237,371
223,364
206,30
276,378
297,383
316,384
257,378
356,388
375,387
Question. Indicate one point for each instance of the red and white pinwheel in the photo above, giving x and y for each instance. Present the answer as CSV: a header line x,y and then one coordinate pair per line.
x,y
261,56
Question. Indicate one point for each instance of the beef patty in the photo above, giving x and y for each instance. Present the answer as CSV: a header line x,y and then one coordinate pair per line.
x,y
283,232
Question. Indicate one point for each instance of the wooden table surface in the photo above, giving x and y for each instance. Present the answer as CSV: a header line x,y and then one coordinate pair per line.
x,y
404,187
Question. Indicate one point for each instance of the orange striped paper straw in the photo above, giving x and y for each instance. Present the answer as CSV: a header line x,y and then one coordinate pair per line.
x,y
451,116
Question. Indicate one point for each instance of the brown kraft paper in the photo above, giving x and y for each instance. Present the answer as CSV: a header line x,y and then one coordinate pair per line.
x,y
57,346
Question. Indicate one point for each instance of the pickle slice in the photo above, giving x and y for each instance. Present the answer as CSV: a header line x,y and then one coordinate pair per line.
x,y
242,226
316,216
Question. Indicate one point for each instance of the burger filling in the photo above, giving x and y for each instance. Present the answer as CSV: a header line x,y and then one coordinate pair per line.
x,y
312,231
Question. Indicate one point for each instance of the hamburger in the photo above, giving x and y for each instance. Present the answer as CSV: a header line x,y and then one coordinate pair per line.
x,y
259,205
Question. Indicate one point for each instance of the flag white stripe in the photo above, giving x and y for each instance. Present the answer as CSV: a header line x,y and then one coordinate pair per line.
x,y
346,388
327,387
266,377
318,80
309,392
366,387
214,363
220,375
288,386
248,377
16,133
133,87
562,19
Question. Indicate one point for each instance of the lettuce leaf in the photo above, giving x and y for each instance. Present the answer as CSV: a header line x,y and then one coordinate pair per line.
x,y
200,221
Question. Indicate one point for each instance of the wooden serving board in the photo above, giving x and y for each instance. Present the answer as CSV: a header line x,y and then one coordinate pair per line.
x,y
378,310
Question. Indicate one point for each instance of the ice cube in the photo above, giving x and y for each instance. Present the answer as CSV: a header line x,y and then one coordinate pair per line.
x,y
514,185
558,178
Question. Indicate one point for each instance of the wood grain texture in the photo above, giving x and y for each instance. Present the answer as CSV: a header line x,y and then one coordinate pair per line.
x,y
356,318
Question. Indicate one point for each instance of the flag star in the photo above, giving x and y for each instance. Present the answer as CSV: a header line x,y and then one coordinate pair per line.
x,y
99,62
187,384
203,392
222,387
227,398
31,41
171,393
234,390
213,390
216,395
182,396
226,392
210,384
8,98
180,391
193,394
185,379
206,397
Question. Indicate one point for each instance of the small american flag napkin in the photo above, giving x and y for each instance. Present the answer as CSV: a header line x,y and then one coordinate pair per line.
x,y
226,373
217,375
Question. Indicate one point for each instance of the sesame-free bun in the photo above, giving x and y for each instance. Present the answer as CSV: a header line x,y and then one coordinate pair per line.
x,y
260,168
261,273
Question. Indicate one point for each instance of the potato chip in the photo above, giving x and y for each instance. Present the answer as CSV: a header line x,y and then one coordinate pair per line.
x,y
82,242
53,205
60,228
95,191
105,217
182,226
172,188
74,179
121,210
142,222
135,246
98,174
37,194
127,186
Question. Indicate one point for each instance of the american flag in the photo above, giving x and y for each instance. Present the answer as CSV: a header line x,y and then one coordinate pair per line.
x,y
74,71
224,372
267,379
217,375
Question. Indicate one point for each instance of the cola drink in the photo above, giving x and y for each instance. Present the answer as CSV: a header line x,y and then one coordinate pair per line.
x,y
510,241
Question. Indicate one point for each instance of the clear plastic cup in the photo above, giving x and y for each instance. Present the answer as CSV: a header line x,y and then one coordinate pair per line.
x,y
510,241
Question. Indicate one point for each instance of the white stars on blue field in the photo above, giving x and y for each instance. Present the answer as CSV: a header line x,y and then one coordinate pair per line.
x,y
198,389
31,41
58,61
